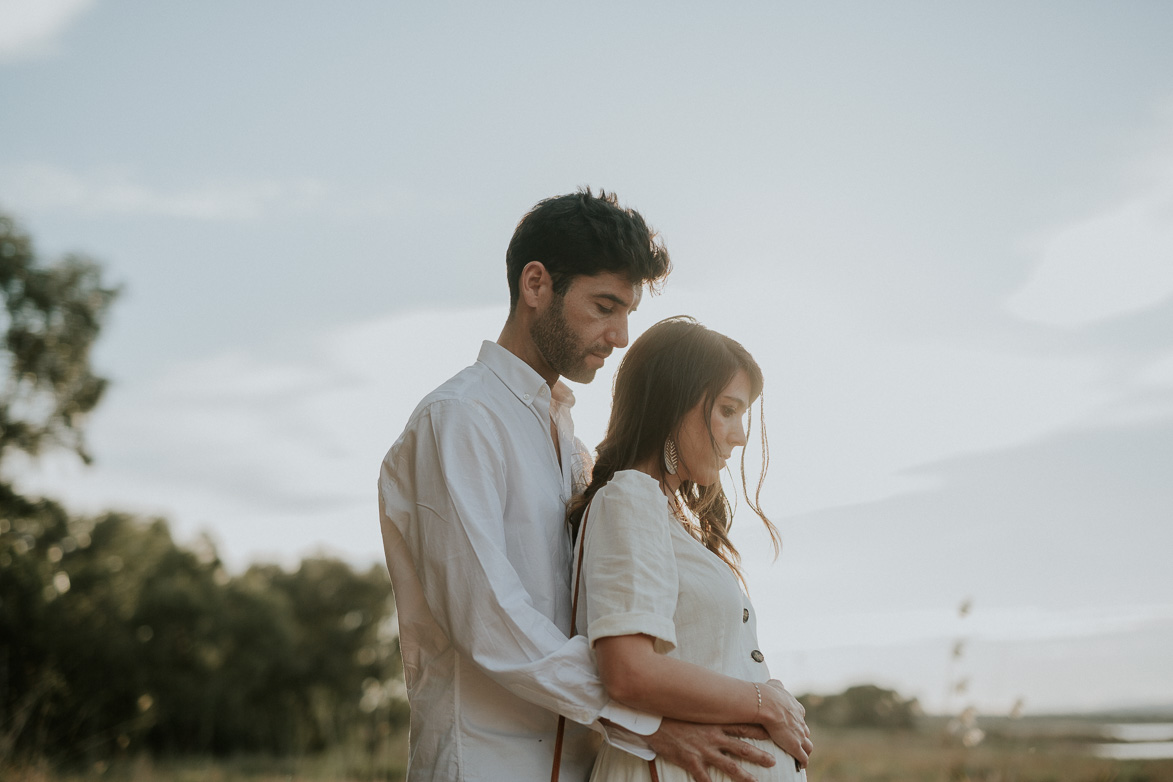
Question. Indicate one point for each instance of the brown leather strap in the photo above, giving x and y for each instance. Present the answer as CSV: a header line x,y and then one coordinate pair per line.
x,y
573,626
573,623
558,749
578,573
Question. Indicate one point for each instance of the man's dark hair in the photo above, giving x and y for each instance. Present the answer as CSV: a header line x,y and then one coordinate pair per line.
x,y
584,234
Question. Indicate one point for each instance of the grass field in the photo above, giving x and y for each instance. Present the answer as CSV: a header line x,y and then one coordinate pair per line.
x,y
925,756
843,755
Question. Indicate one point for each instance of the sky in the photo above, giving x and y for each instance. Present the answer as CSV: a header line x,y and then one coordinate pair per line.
x,y
944,231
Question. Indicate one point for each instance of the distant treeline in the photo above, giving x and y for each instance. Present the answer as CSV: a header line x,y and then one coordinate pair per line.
x,y
115,638
862,706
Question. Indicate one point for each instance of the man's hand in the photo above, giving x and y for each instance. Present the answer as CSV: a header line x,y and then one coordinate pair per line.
x,y
791,733
697,748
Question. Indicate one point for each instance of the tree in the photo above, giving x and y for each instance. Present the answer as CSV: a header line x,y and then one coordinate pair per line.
x,y
146,644
53,315
862,706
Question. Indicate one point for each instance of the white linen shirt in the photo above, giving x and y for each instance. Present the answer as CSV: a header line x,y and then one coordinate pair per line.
x,y
472,505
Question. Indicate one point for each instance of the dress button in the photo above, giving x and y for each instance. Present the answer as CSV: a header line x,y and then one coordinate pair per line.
x,y
757,656
526,397
744,615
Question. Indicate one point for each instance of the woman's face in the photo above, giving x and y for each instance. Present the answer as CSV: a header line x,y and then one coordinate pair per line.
x,y
701,457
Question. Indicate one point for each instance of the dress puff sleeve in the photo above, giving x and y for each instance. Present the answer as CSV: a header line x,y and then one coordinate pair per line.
x,y
629,578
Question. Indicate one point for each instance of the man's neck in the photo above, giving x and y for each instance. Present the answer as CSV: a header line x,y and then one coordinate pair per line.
x,y
516,339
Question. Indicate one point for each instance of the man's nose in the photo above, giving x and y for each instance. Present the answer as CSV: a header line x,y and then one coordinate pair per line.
x,y
617,336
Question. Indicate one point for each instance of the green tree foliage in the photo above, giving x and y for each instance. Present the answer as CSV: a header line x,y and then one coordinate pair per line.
x,y
125,639
52,316
864,706
113,637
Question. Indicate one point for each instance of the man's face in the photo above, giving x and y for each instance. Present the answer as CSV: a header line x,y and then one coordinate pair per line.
x,y
576,333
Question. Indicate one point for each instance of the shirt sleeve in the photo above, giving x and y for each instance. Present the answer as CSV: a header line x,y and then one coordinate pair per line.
x,y
442,499
629,568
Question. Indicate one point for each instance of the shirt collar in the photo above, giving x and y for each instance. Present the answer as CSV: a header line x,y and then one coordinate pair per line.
x,y
522,379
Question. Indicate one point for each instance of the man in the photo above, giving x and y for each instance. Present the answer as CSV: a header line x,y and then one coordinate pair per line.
x,y
472,502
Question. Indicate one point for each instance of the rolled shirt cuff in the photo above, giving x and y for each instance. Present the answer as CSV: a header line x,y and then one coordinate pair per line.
x,y
624,728
661,628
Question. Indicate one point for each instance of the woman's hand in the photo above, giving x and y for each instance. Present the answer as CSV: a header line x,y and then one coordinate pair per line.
x,y
784,718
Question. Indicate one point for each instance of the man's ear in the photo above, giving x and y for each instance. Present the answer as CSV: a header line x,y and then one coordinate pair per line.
x,y
536,286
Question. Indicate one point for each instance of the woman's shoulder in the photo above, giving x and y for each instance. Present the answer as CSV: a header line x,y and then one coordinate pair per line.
x,y
630,490
632,484
631,512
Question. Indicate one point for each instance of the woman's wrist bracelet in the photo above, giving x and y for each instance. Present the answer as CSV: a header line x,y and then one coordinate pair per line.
x,y
758,690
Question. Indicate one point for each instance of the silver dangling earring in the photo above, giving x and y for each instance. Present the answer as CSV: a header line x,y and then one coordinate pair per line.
x,y
670,458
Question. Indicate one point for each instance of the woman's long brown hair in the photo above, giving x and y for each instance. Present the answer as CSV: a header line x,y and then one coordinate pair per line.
x,y
673,366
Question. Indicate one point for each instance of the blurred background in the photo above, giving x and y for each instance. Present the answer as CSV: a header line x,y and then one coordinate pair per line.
x,y
944,231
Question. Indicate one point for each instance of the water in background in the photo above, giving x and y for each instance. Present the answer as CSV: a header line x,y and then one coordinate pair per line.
x,y
1137,741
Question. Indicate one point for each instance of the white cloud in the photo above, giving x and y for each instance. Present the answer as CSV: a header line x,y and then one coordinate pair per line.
x,y
851,410
31,27
247,441
43,187
1158,373
277,457
1115,262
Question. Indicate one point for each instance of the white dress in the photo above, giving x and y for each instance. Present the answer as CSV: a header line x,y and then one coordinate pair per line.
x,y
643,573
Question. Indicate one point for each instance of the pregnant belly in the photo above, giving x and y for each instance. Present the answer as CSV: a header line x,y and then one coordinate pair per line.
x,y
615,765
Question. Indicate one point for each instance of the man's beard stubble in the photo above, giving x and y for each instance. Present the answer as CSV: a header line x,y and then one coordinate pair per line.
x,y
559,345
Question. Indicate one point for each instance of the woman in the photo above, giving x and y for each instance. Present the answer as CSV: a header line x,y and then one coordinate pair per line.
x,y
660,600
